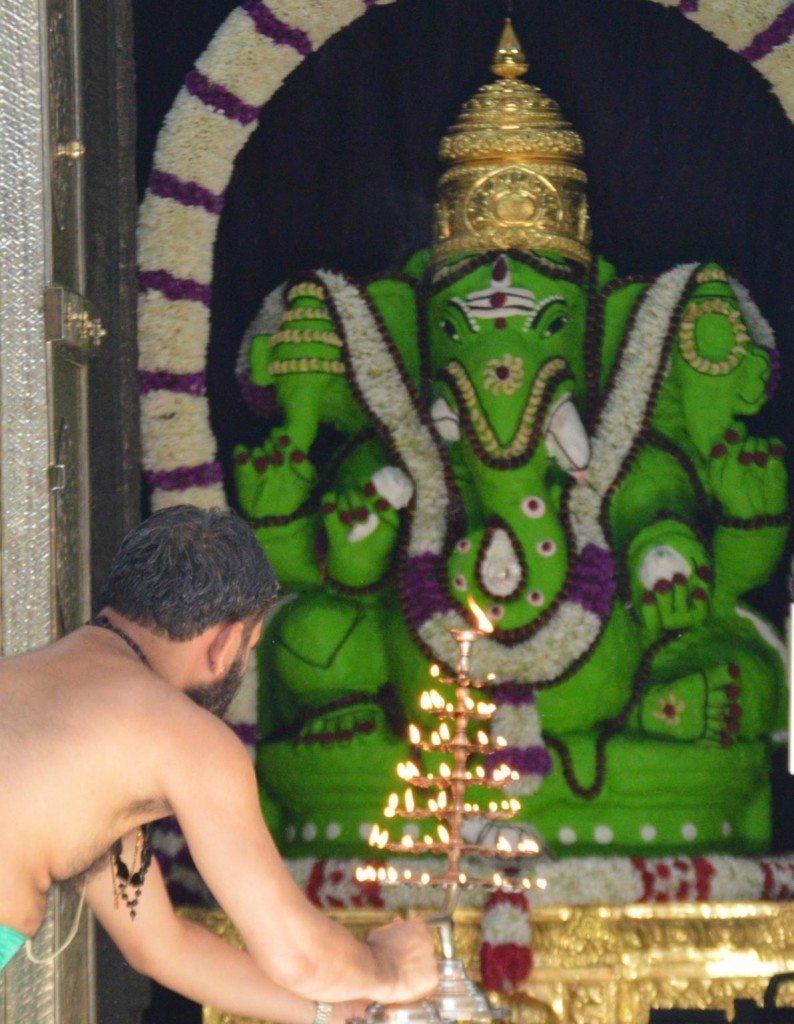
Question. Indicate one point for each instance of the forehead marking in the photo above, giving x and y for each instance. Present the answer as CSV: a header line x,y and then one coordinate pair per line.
x,y
498,301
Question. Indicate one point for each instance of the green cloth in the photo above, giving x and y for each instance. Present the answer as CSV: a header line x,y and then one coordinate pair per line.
x,y
10,944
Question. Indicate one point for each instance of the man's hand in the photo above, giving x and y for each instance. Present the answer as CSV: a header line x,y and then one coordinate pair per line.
x,y
405,952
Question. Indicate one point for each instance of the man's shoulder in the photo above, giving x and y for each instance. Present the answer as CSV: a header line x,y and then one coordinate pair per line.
x,y
163,716
159,702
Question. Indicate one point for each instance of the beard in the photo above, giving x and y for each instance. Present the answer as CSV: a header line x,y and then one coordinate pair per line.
x,y
216,697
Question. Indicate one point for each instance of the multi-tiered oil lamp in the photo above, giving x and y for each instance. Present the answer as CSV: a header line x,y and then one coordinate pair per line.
x,y
457,997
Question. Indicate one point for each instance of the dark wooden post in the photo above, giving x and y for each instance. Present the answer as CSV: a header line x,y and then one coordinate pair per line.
x,y
110,215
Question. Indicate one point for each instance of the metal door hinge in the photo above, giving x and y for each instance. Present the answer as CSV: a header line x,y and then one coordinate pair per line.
x,y
72,150
70,319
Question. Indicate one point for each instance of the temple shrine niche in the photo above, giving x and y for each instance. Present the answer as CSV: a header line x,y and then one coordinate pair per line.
x,y
580,443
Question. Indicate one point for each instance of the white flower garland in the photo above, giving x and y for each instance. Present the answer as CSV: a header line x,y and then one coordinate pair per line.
x,y
505,924
374,373
198,144
572,629
760,328
756,30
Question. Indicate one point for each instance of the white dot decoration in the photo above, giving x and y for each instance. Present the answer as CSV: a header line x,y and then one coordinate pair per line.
x,y
535,598
309,831
333,830
546,548
648,833
567,836
495,612
463,546
689,831
603,834
290,832
533,506
459,583
727,828
364,829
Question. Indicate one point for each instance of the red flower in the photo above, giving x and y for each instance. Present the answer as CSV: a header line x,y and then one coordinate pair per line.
x,y
505,967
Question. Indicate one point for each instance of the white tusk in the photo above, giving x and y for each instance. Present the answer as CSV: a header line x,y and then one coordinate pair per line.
x,y
445,420
566,438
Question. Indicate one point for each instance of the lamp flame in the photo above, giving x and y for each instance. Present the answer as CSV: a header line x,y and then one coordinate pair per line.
x,y
483,622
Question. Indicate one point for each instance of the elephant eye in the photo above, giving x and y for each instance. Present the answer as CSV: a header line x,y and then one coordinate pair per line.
x,y
450,329
556,325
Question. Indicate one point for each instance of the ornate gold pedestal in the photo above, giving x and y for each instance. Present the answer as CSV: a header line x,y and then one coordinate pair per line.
x,y
611,965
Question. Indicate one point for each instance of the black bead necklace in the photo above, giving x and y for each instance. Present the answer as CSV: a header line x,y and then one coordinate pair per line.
x,y
129,878
104,623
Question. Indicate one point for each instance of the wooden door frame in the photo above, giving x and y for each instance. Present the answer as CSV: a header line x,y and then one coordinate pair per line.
x,y
111,286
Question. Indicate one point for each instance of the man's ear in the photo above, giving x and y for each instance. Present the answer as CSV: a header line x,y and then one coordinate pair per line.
x,y
223,647
256,634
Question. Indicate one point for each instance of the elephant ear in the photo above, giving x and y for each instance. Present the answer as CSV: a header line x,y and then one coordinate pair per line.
x,y
604,272
396,301
417,266
619,306
251,368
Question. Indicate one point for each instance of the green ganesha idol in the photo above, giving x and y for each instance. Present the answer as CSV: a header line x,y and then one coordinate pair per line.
x,y
509,421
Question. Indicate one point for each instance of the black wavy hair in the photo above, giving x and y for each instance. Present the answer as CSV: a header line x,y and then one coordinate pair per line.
x,y
185,569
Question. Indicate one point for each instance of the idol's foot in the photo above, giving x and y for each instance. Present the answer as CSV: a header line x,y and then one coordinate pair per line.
x,y
704,705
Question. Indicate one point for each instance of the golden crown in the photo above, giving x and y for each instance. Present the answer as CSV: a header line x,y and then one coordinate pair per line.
x,y
513,180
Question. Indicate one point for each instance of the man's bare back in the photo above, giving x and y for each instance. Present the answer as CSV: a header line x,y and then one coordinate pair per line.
x,y
70,715
109,728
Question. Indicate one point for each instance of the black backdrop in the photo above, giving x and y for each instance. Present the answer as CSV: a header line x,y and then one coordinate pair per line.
x,y
688,153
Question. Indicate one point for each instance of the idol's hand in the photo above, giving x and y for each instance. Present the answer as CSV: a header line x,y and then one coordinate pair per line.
x,y
303,360
704,705
747,475
670,576
275,479
362,524
405,949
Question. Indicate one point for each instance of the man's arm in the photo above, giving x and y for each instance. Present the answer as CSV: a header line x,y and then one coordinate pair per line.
x,y
211,786
187,958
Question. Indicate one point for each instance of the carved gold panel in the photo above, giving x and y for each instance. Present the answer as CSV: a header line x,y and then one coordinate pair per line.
x,y
612,965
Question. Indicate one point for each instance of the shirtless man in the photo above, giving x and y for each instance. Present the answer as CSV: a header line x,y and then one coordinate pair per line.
x,y
110,728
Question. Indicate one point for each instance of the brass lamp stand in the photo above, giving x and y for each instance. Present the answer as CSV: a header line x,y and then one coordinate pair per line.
x,y
457,998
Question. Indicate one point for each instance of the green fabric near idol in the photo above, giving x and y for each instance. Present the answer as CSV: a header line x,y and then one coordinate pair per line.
x,y
10,944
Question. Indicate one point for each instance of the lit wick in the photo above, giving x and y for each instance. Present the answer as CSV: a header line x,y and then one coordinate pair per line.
x,y
465,637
